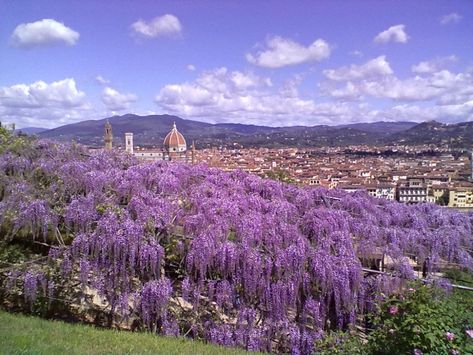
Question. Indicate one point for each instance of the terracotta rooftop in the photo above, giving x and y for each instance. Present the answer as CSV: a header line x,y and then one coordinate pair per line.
x,y
174,138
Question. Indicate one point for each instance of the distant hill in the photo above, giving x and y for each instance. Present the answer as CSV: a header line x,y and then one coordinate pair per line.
x,y
458,135
151,130
147,130
383,128
30,130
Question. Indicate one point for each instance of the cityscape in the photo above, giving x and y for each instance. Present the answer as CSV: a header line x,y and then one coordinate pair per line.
x,y
408,174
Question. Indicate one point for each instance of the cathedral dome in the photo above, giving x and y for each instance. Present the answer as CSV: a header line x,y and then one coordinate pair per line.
x,y
174,141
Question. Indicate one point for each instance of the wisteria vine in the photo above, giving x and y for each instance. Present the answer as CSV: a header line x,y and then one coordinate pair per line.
x,y
224,256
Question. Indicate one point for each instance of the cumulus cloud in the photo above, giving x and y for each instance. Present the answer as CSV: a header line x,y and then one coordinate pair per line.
x,y
445,113
162,26
432,66
101,80
221,95
350,92
373,68
282,52
43,104
440,91
392,34
117,101
356,53
235,96
290,86
440,88
450,18
63,93
43,33
191,67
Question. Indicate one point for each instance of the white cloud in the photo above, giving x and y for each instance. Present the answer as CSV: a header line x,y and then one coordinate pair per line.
x,y
43,104
282,52
211,88
101,80
348,93
445,113
243,81
392,34
373,68
191,67
432,66
163,26
356,53
221,95
436,87
218,96
450,18
42,33
439,88
61,93
117,101
290,86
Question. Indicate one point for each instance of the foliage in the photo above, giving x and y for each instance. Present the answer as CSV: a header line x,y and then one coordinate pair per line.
x,y
444,199
256,263
424,319
279,175
341,343
11,143
12,253
461,277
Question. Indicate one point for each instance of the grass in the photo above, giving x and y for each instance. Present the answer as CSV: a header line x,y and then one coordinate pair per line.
x,y
20,334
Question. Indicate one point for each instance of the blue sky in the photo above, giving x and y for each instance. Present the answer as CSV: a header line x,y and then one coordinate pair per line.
x,y
275,63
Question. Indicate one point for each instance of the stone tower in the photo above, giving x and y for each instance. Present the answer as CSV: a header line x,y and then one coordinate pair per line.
x,y
129,142
108,136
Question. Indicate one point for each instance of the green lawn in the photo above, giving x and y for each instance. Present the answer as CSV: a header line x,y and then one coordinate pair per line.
x,y
21,334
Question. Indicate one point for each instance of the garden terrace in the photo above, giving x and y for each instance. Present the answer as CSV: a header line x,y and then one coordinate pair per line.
x,y
181,249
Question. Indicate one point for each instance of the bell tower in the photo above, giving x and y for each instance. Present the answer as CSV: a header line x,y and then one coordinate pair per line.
x,y
129,142
108,136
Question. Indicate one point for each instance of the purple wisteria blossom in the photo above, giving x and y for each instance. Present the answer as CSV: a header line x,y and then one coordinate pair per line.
x,y
260,264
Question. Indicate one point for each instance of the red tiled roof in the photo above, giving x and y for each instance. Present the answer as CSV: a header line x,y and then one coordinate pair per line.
x,y
174,138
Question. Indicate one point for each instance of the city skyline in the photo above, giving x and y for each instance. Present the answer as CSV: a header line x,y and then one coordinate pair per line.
x,y
275,64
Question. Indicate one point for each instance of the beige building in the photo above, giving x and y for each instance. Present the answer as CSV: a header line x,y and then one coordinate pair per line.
x,y
387,191
412,191
461,197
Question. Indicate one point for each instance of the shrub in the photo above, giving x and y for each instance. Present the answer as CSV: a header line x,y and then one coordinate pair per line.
x,y
423,320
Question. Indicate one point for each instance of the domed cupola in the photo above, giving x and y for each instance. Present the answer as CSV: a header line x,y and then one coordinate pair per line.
x,y
174,141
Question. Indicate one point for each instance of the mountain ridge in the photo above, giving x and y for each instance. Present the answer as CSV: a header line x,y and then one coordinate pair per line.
x,y
150,131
